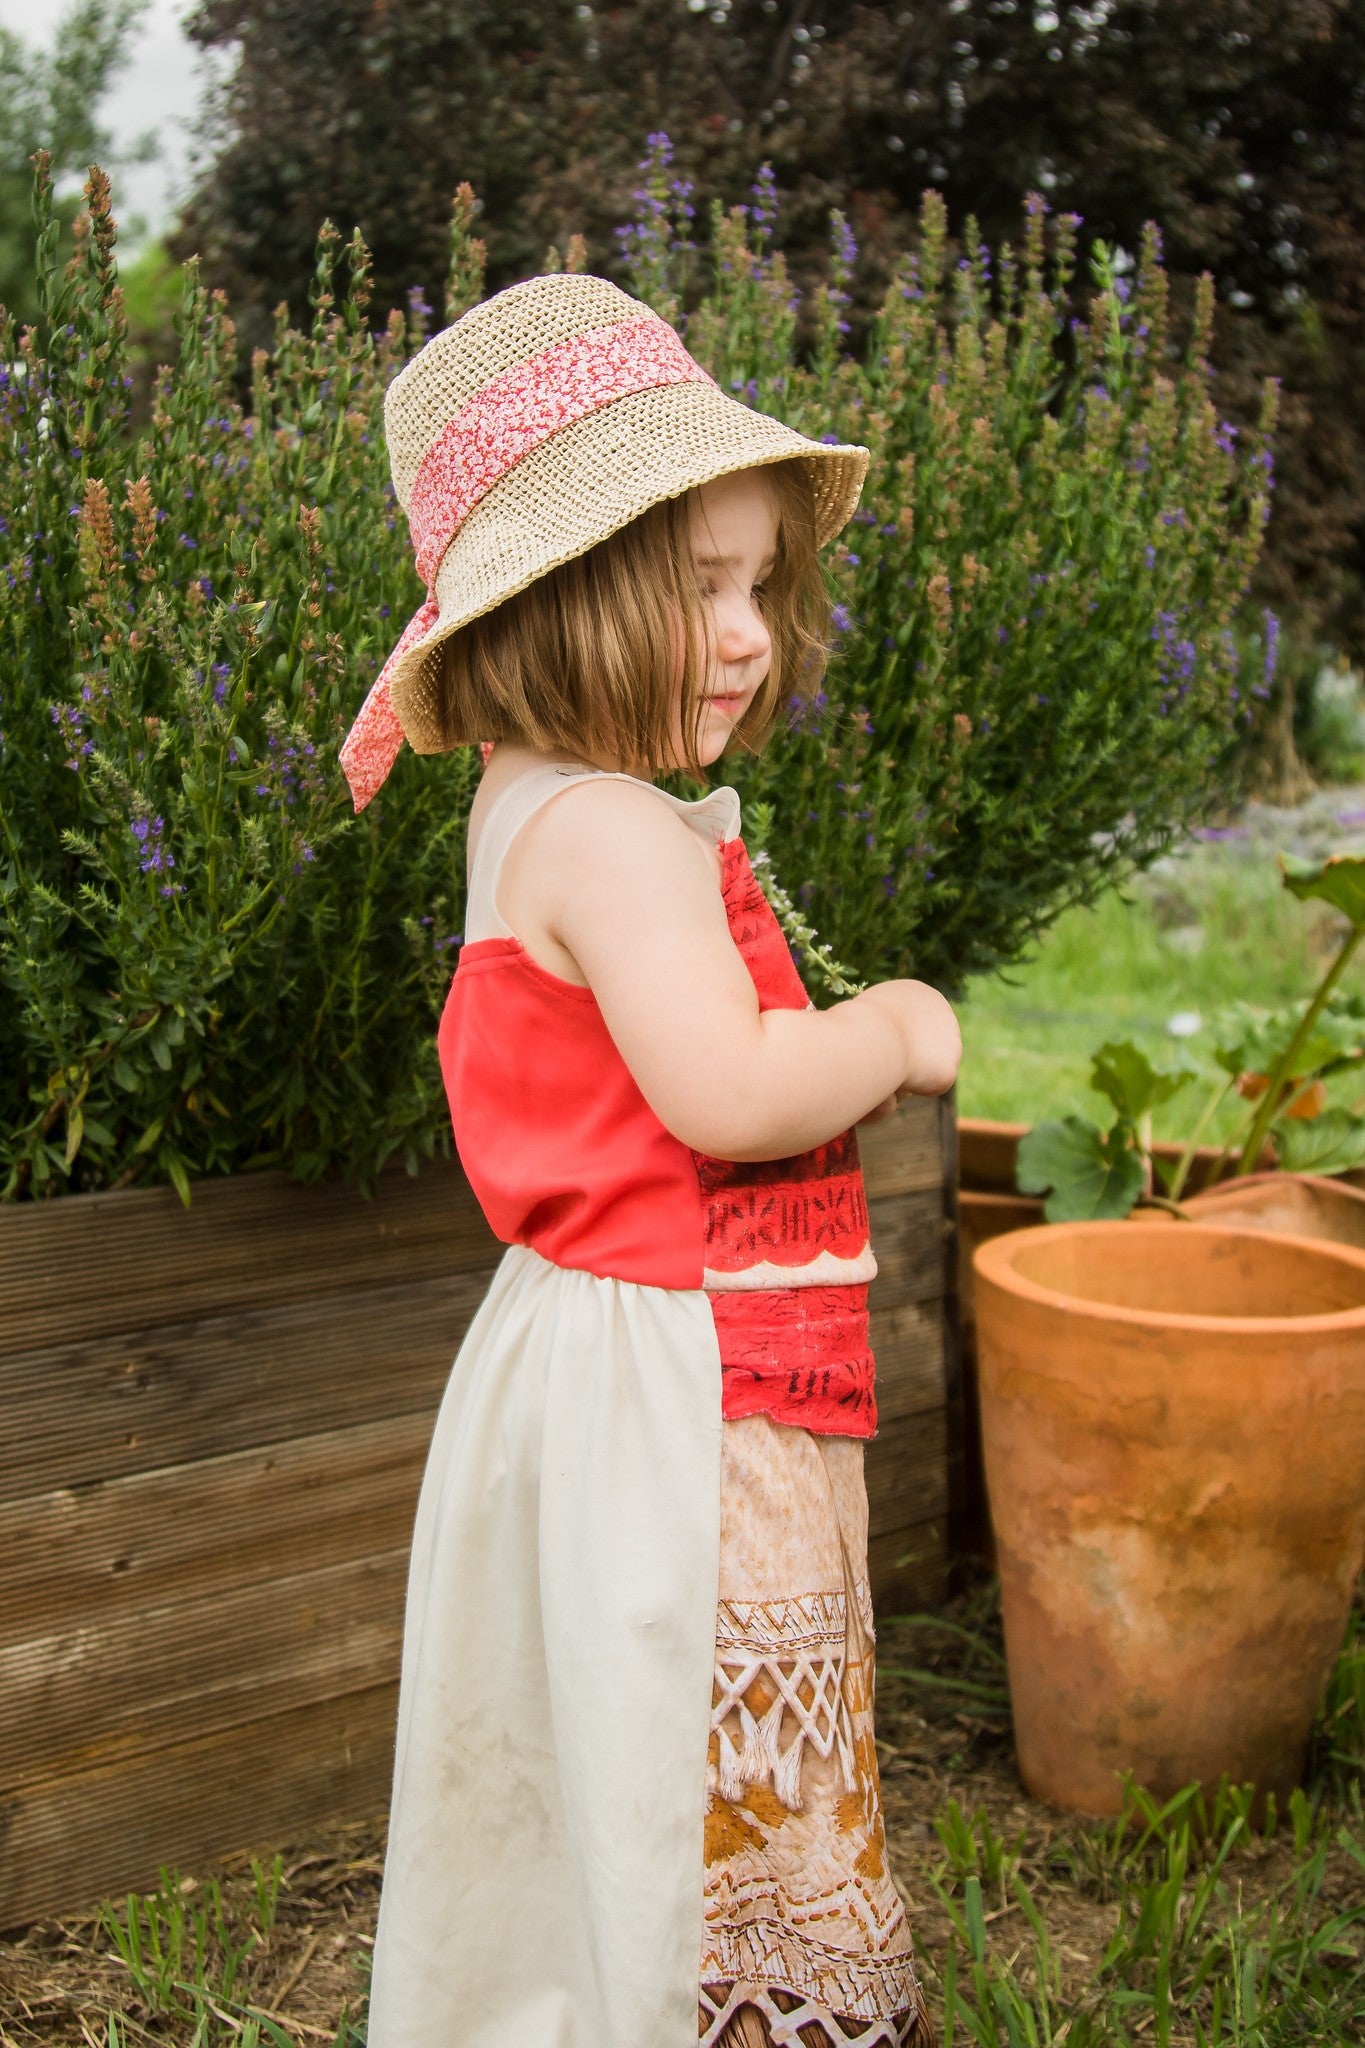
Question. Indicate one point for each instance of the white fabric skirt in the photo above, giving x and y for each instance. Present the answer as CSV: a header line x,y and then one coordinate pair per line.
x,y
543,1884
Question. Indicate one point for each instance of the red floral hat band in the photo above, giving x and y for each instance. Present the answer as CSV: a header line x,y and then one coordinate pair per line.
x,y
516,412
503,422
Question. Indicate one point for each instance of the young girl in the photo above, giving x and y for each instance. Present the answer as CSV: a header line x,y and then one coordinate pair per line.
x,y
635,1797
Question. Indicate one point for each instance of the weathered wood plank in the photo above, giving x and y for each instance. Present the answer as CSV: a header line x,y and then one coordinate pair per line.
x,y
109,1407
136,1258
193,1530
906,1476
155,1537
133,1401
903,1155
909,1568
68,1842
907,1233
162,1675
907,1343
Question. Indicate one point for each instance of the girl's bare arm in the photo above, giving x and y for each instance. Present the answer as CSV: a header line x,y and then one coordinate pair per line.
x,y
625,886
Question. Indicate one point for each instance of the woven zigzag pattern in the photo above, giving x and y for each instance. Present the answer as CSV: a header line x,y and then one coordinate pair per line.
x,y
790,2021
798,1646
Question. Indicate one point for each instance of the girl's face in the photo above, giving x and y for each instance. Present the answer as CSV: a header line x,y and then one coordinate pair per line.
x,y
734,540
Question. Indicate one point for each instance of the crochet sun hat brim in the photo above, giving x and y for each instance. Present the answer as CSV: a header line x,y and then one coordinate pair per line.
x,y
538,424
593,478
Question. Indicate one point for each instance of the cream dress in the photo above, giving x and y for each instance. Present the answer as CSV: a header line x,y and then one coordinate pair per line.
x,y
635,1798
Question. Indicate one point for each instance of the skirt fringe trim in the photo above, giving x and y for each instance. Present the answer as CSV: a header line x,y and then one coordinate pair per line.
x,y
754,2015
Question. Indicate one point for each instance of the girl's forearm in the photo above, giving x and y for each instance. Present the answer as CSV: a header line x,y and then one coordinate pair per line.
x,y
813,1073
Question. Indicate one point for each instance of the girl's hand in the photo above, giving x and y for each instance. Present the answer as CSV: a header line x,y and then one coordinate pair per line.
x,y
928,1030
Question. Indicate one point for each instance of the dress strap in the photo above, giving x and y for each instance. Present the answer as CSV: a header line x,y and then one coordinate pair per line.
x,y
716,817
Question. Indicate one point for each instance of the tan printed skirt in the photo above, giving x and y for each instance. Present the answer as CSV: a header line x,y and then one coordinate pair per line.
x,y
566,1866
805,1939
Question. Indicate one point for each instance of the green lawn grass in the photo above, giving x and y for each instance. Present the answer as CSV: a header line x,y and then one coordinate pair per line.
x,y
1207,927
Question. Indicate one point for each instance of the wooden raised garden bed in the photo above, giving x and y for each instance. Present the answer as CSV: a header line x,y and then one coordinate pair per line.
x,y
216,1422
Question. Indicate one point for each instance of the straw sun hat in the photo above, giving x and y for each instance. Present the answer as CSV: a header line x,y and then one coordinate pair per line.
x,y
542,421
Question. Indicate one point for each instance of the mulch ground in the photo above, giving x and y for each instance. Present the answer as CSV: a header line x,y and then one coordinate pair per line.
x,y
59,1978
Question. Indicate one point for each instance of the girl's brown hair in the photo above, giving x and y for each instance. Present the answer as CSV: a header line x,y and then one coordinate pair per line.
x,y
584,660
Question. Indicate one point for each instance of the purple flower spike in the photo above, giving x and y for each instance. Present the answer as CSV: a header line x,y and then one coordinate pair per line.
x,y
1272,645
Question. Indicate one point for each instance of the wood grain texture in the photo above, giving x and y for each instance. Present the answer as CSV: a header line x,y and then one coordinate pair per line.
x,y
903,1155
909,1568
907,1343
906,1475
130,1260
164,1674
908,1239
68,1842
183,1542
135,1400
121,1545
136,1258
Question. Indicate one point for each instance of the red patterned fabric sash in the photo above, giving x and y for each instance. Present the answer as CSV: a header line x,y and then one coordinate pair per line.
x,y
799,1354
516,412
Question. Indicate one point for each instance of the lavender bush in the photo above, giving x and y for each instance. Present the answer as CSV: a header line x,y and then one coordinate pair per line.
x,y
207,964
1042,676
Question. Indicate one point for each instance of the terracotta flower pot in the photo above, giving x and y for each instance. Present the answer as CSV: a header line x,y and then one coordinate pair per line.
x,y
1174,1434
1301,1204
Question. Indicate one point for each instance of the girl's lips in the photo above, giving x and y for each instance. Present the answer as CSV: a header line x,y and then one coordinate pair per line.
x,y
729,705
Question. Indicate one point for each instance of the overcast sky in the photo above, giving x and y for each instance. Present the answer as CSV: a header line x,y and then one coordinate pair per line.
x,y
159,87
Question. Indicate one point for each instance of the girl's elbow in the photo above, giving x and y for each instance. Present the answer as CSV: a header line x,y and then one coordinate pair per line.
x,y
722,1134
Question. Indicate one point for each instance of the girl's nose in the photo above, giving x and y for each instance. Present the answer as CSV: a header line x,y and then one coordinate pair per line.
x,y
742,634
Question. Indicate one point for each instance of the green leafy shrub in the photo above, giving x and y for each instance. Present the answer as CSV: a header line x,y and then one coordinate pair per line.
x,y
1277,1060
207,964
1037,686
1332,729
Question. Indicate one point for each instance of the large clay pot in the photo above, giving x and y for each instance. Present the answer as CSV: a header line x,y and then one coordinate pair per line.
x,y
1174,1432
979,1216
1301,1204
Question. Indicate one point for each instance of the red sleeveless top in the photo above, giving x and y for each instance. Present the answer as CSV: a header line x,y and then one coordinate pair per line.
x,y
566,1156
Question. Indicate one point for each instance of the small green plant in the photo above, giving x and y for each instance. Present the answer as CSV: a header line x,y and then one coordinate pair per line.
x,y
186,1959
973,1847
1188,1960
1331,735
1279,1061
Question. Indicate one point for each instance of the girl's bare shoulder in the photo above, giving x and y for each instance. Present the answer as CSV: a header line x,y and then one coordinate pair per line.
x,y
598,822
600,848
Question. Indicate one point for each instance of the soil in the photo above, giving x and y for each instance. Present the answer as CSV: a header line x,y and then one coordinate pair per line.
x,y
943,1734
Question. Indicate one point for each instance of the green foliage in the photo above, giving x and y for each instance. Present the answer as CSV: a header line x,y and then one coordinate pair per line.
x,y
1186,114
1092,1173
186,1960
1278,1059
1186,1952
1252,1041
975,1850
1338,880
48,100
210,964
1132,1083
1034,688
1331,1143
206,962
1330,728
1085,1173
